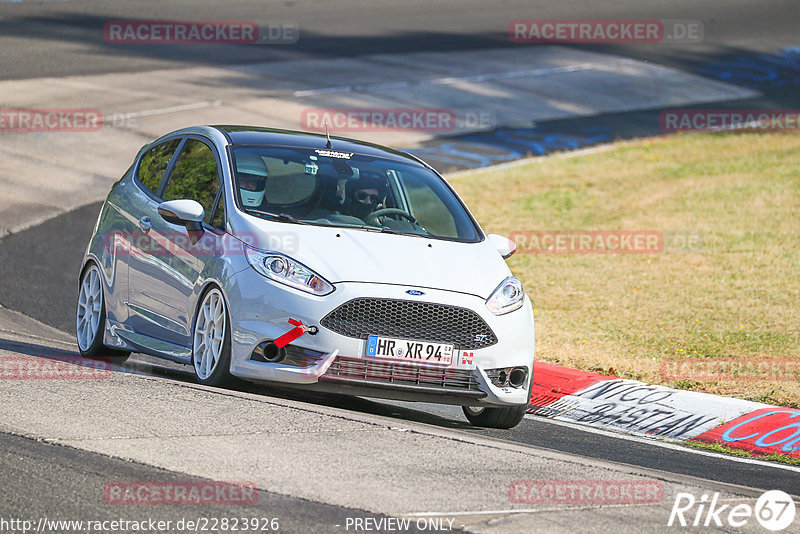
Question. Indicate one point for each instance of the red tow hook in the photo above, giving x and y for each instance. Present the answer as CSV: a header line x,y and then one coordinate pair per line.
x,y
298,330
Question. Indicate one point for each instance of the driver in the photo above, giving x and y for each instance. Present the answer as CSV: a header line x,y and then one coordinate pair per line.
x,y
364,195
253,174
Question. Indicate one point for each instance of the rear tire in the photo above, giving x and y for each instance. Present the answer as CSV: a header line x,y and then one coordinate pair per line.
x,y
507,417
90,319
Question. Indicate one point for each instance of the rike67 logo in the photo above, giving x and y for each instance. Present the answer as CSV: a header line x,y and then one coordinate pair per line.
x,y
774,510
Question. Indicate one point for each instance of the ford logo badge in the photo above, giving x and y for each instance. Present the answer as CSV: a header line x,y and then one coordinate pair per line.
x,y
415,292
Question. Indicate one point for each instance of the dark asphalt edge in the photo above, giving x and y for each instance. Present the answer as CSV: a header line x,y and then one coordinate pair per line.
x,y
532,433
97,463
86,216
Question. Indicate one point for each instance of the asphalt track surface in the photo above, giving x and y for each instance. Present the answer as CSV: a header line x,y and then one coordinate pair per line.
x,y
56,304
54,482
38,267
66,38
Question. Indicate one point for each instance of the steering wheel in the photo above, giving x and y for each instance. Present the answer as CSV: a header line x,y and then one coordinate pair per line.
x,y
372,218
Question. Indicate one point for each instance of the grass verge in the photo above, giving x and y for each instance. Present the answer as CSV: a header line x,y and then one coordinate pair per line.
x,y
722,296
716,447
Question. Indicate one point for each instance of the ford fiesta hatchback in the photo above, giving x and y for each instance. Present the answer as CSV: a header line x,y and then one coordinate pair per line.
x,y
324,263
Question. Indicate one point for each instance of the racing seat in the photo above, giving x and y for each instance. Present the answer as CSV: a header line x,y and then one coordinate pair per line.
x,y
329,202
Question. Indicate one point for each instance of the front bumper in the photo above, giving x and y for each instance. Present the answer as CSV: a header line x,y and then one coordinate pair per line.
x,y
261,309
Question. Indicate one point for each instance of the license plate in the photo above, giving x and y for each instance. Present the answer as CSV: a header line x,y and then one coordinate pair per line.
x,y
411,351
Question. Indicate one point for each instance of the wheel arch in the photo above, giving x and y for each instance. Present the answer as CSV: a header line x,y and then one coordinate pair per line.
x,y
87,260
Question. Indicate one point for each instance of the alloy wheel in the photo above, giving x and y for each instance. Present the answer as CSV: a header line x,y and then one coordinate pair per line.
x,y
209,334
90,305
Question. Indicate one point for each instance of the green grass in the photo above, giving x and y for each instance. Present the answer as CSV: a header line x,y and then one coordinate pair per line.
x,y
716,447
733,293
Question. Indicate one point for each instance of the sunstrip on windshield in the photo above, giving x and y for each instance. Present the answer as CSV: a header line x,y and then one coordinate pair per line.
x,y
334,154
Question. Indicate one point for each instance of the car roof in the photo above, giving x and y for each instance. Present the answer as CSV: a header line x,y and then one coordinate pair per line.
x,y
254,135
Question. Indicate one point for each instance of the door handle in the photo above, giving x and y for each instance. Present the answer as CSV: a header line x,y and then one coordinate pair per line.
x,y
145,225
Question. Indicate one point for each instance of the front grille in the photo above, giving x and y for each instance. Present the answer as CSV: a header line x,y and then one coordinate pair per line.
x,y
406,319
401,373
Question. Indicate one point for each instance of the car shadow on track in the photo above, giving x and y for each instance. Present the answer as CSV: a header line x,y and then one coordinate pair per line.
x,y
73,357
348,402
141,364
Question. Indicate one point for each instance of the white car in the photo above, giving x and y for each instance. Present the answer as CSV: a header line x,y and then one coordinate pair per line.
x,y
323,263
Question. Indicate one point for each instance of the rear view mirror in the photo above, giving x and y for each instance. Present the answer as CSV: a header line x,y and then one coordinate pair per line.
x,y
504,245
344,170
188,213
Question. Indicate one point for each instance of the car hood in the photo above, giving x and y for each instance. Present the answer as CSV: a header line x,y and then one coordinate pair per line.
x,y
349,255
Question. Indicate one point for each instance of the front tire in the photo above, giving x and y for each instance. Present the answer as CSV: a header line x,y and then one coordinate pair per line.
x,y
90,320
507,417
211,347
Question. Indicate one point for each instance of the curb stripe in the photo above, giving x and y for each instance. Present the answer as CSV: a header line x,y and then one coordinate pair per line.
x,y
551,382
609,402
766,431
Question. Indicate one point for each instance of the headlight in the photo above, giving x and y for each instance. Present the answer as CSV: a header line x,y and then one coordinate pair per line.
x,y
507,297
283,269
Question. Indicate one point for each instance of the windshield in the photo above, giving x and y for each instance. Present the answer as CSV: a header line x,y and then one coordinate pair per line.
x,y
332,188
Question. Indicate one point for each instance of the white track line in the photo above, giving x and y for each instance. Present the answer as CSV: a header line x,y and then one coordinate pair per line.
x,y
163,111
529,510
665,445
544,510
449,80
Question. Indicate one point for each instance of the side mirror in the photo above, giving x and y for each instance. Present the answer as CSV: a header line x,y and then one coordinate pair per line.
x,y
504,245
188,213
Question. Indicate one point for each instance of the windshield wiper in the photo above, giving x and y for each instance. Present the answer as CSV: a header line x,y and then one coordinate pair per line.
x,y
383,230
283,217
386,230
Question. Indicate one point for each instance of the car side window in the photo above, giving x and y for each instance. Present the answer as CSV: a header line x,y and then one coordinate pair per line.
x,y
195,176
153,164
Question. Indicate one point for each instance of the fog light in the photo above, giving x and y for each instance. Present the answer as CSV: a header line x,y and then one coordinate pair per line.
x,y
502,377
